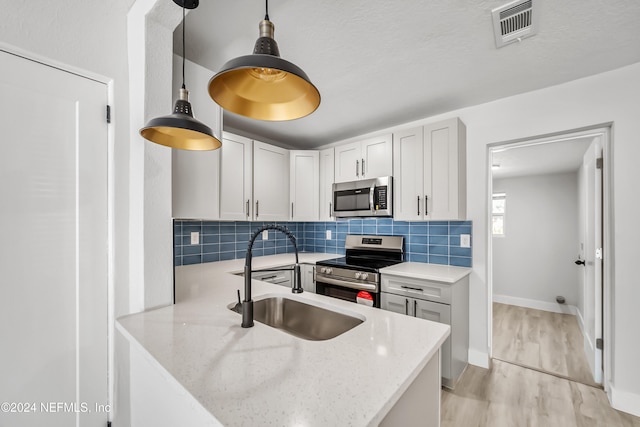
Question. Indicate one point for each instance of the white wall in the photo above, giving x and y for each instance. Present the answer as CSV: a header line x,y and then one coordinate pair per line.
x,y
534,260
611,97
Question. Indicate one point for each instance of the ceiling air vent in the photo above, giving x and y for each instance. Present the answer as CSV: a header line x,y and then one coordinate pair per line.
x,y
514,21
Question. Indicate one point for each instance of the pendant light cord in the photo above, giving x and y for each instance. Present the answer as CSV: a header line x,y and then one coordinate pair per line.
x,y
266,10
184,50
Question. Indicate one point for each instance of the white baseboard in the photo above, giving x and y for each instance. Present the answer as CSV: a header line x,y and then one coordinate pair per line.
x,y
479,358
625,401
536,304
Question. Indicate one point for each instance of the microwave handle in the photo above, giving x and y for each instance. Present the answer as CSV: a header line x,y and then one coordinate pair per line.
x,y
371,193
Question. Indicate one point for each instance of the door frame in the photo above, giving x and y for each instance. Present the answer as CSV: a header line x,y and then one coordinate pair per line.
x,y
605,130
109,83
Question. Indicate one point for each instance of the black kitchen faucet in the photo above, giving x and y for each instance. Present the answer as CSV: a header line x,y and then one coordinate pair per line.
x,y
247,304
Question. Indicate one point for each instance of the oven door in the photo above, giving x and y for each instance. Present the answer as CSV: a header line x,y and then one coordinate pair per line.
x,y
345,293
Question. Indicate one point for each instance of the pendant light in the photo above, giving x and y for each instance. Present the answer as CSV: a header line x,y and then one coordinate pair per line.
x,y
180,129
264,86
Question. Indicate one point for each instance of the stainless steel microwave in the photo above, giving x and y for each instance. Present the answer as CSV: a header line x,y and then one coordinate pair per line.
x,y
364,198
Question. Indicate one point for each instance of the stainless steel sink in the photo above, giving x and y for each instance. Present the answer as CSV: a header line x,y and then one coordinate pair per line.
x,y
302,320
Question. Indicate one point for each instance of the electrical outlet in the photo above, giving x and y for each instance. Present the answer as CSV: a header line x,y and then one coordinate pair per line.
x,y
265,235
328,234
195,237
465,240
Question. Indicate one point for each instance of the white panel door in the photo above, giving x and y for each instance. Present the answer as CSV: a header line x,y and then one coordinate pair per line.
x,y
395,303
53,187
445,170
326,184
440,313
270,182
304,185
408,178
377,157
235,178
347,162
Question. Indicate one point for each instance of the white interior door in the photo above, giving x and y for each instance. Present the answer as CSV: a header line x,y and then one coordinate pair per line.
x,y
593,258
54,256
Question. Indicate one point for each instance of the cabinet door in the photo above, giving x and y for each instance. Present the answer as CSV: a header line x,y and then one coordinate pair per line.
x,y
196,174
235,177
304,185
396,303
440,313
326,183
377,157
308,284
347,162
270,182
408,179
445,170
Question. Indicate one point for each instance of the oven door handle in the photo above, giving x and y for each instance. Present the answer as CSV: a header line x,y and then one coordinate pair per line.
x,y
360,286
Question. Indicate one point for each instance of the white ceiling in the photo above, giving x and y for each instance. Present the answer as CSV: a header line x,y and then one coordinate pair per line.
x,y
540,158
379,64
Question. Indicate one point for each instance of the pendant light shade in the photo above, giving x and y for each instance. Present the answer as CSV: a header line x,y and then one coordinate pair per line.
x,y
264,86
180,129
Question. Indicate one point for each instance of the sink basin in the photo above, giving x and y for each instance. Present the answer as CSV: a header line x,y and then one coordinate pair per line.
x,y
303,320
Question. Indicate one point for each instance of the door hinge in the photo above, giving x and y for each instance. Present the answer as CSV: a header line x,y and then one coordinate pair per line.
x,y
599,163
108,113
599,253
599,343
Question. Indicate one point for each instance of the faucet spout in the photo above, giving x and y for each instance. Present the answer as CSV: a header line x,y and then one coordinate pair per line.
x,y
247,303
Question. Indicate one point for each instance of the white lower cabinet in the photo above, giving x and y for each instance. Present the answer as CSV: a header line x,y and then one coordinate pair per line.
x,y
439,302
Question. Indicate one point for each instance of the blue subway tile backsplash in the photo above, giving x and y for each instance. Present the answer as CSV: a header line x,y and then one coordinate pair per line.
x,y
436,242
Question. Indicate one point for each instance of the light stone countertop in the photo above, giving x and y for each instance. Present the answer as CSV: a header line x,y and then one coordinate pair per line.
x,y
263,376
422,271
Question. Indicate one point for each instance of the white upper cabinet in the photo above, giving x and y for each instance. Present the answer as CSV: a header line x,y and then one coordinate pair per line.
x,y
408,178
326,184
195,174
304,185
430,165
270,182
369,158
236,201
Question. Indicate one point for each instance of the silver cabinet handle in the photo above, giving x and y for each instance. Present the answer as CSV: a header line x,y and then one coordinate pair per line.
x,y
357,167
291,210
247,208
330,210
257,205
418,205
363,168
406,306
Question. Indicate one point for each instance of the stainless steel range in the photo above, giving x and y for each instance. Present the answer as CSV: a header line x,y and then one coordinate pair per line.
x,y
356,277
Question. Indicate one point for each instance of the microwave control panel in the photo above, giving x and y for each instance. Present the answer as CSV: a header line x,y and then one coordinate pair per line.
x,y
380,198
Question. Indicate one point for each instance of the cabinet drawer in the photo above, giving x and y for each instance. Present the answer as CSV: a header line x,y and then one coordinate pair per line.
x,y
422,289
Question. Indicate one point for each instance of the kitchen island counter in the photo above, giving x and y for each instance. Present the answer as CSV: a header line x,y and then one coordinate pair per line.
x,y
263,376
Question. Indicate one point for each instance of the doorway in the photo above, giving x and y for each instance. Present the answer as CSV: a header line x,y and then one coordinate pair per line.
x,y
54,188
545,279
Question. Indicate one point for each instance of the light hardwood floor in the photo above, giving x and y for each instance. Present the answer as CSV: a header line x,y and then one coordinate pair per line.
x,y
508,395
551,342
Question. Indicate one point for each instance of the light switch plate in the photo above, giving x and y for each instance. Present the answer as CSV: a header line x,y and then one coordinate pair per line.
x,y
265,235
195,237
465,240
328,234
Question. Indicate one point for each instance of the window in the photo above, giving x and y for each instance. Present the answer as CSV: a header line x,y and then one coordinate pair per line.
x,y
498,205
